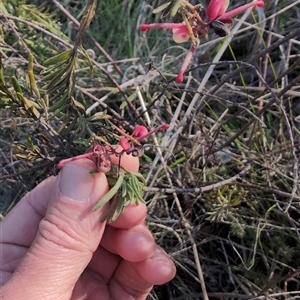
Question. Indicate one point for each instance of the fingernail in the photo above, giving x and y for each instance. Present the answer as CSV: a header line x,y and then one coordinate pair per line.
x,y
76,182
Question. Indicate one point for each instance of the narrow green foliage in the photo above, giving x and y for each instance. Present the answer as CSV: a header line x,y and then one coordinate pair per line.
x,y
58,104
58,59
2,80
111,193
169,8
225,202
16,85
85,21
31,77
127,189
161,7
112,209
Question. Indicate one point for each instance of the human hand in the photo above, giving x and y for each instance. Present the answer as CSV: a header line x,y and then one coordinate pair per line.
x,y
54,247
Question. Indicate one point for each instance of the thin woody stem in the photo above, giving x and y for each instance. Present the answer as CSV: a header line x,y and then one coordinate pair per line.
x,y
123,133
195,13
189,5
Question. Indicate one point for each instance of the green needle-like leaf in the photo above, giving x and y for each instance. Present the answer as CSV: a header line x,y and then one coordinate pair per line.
x,y
169,8
161,8
127,190
16,85
31,77
111,208
135,183
124,189
119,209
112,192
61,57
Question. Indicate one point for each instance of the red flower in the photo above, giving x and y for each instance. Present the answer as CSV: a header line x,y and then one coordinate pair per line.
x,y
218,19
216,9
139,133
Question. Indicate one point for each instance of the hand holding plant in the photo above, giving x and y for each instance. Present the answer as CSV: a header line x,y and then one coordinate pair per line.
x,y
126,187
58,249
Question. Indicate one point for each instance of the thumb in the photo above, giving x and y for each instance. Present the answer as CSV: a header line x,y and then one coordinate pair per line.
x,y
67,236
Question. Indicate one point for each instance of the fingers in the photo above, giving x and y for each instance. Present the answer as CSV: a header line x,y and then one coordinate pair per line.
x,y
135,244
143,263
32,209
133,215
68,234
157,269
10,257
137,279
142,259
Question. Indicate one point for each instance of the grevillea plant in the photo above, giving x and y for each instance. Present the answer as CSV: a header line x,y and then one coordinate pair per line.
x,y
193,28
125,187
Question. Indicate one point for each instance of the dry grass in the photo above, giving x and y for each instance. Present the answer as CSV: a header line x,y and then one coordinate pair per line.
x,y
223,188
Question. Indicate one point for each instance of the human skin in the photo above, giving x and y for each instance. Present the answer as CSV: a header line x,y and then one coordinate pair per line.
x,y
54,247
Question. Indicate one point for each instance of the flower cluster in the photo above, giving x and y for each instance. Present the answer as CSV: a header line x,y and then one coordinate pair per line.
x,y
131,145
125,187
100,154
195,28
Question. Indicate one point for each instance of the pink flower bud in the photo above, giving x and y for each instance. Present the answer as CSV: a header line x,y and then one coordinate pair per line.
x,y
125,144
216,8
142,134
139,131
